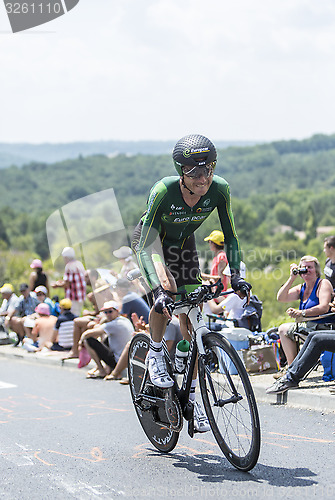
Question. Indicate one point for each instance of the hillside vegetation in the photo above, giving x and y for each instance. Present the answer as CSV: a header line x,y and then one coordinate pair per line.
x,y
288,184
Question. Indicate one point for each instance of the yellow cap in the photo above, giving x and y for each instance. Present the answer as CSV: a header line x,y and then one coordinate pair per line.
x,y
216,237
7,288
65,304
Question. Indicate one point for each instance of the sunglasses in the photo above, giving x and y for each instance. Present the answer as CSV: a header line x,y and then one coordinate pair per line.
x,y
40,293
109,311
197,172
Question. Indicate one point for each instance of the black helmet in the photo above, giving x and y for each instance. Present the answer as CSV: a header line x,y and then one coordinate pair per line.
x,y
193,151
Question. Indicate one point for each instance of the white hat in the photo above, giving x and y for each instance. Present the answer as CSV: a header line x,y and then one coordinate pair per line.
x,y
42,289
111,304
68,252
123,253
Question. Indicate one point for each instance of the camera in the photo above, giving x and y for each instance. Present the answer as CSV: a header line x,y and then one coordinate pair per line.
x,y
300,270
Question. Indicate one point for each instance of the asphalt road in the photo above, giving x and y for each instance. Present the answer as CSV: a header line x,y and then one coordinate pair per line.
x,y
65,437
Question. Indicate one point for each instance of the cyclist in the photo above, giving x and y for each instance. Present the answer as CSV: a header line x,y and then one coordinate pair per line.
x,y
176,207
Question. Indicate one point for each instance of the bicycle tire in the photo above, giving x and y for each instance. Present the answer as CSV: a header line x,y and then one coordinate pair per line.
x,y
162,438
235,425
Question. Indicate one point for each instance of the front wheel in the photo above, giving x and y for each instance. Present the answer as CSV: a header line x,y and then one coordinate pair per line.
x,y
150,414
229,402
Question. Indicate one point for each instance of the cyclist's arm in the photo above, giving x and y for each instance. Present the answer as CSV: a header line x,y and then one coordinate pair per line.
x,y
228,227
150,234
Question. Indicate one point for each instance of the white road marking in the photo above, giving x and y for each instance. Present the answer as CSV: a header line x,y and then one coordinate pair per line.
x,y
5,385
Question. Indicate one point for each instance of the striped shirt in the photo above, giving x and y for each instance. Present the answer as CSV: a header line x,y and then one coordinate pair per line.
x,y
75,275
65,325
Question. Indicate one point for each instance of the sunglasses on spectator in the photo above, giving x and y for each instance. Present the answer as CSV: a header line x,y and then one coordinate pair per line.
x,y
109,311
40,293
197,172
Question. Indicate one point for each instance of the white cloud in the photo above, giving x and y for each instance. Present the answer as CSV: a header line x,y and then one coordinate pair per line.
x,y
157,69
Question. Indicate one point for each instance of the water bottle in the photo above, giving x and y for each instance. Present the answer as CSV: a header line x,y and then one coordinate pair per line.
x,y
182,349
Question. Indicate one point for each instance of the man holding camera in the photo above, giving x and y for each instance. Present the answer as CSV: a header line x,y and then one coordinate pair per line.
x,y
314,294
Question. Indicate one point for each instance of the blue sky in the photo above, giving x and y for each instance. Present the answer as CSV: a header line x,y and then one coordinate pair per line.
x,y
159,69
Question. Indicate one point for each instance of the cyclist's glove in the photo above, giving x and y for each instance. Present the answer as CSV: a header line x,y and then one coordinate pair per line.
x,y
238,284
162,299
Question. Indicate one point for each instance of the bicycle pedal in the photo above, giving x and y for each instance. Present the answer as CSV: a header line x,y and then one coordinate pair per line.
x,y
188,411
190,428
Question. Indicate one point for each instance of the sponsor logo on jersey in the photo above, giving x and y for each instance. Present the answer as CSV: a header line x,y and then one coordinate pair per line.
x,y
198,217
206,202
151,201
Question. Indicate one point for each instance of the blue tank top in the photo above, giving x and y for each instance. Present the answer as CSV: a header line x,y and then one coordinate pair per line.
x,y
313,300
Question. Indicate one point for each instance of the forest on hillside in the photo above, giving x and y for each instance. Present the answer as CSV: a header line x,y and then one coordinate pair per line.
x,y
281,193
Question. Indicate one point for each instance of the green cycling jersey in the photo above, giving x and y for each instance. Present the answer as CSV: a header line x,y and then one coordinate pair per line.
x,y
170,218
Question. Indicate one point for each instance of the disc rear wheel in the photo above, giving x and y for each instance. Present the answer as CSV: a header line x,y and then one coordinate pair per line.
x,y
153,417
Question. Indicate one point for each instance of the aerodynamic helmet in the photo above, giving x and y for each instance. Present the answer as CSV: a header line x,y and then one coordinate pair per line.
x,y
193,151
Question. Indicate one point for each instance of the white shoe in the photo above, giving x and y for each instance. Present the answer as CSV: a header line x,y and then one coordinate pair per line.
x,y
158,371
201,423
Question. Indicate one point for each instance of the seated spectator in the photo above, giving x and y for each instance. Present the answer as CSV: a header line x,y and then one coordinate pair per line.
x,y
131,301
55,300
314,295
62,338
43,330
19,320
8,305
315,344
42,296
114,335
37,276
232,307
101,289
83,323
172,336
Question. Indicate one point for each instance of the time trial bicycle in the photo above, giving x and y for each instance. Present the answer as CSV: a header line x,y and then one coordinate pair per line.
x,y
225,387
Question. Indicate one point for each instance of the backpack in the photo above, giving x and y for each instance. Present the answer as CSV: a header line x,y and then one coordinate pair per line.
x,y
251,317
327,359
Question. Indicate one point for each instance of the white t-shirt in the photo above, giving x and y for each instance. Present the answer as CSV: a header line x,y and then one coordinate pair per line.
x,y
233,304
119,331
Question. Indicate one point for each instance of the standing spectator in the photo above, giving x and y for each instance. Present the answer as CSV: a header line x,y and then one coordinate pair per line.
x,y
115,334
8,305
125,255
19,320
131,301
329,249
220,261
37,276
73,280
63,333
41,294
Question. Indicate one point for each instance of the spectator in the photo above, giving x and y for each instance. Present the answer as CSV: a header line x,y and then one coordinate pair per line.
x,y
41,294
125,255
42,332
55,300
314,295
83,323
73,280
172,336
329,250
315,344
101,289
220,261
19,320
131,301
115,334
63,333
8,305
37,276
233,308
